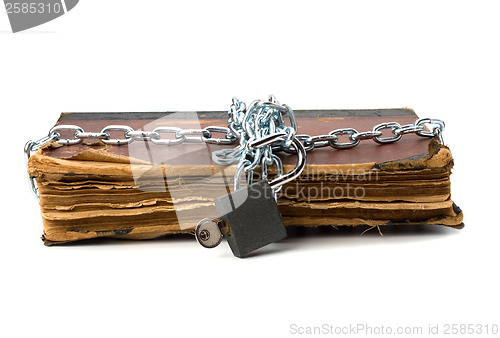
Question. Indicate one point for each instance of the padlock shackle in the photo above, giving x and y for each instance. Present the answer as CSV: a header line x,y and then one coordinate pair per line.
x,y
301,164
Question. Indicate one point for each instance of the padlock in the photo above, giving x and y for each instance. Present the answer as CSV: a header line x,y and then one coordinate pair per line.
x,y
252,215
249,216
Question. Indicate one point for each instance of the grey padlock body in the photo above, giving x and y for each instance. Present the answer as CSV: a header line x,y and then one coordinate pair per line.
x,y
253,218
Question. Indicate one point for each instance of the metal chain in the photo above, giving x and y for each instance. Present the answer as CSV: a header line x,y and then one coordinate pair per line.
x,y
130,135
354,137
260,130
258,127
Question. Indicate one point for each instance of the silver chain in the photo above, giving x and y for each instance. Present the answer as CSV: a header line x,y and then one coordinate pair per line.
x,y
354,137
260,130
130,135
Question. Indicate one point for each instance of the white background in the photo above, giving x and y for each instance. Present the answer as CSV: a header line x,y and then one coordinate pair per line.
x,y
440,58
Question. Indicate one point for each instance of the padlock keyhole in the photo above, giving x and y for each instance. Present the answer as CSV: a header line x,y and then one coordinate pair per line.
x,y
204,235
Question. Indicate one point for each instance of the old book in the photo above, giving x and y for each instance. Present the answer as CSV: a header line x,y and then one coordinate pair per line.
x,y
145,190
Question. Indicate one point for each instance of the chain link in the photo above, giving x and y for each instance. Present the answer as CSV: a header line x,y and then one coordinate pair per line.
x,y
91,135
389,125
117,141
260,130
345,145
29,148
68,141
168,142
143,135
